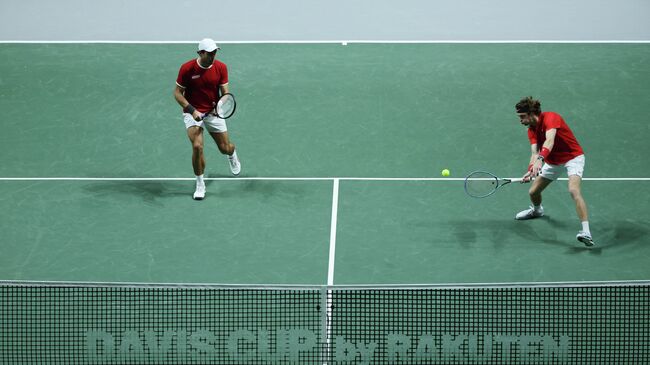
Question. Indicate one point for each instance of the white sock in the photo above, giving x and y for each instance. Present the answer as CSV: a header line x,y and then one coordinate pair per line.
x,y
585,227
537,208
233,156
199,180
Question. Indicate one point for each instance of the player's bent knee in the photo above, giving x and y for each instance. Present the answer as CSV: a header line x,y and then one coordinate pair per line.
x,y
575,193
197,148
226,149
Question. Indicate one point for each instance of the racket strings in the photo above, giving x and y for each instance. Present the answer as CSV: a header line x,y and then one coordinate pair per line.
x,y
225,106
481,184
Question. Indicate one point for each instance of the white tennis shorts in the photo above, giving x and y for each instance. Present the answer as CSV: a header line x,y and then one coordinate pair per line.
x,y
211,122
572,167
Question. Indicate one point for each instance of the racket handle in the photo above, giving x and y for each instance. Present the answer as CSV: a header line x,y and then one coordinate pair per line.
x,y
521,180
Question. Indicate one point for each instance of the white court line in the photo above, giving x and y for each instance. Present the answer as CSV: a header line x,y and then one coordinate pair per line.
x,y
330,266
335,208
360,41
316,286
287,178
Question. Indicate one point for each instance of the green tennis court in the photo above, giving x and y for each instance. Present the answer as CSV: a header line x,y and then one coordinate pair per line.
x,y
341,150
318,111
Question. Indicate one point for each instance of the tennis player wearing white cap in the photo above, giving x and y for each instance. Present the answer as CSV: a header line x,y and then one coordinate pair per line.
x,y
199,85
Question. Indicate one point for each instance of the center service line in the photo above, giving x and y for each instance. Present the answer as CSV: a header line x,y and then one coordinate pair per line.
x,y
335,206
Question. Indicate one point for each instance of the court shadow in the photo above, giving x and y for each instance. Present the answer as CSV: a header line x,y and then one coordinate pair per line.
x,y
612,235
464,236
628,231
581,250
527,231
622,234
496,231
153,192
575,247
559,224
291,191
500,232
148,191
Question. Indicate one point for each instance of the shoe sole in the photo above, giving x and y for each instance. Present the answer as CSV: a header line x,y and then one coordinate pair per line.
x,y
527,218
586,241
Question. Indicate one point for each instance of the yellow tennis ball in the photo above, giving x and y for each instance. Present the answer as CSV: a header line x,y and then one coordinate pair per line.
x,y
445,172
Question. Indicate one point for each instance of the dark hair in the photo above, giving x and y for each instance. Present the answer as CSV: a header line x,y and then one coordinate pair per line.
x,y
529,105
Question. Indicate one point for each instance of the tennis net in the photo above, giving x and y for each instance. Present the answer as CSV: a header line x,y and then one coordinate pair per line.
x,y
99,323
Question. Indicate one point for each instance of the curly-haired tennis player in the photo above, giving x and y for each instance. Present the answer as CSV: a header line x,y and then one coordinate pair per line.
x,y
554,150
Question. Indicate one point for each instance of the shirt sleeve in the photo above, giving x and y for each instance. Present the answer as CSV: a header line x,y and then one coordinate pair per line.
x,y
552,121
223,71
181,79
532,137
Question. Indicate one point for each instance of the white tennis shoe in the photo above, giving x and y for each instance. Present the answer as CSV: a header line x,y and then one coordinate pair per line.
x,y
199,193
585,238
235,166
530,213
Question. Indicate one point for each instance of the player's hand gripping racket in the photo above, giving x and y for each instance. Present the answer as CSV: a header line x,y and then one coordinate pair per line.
x,y
481,184
225,107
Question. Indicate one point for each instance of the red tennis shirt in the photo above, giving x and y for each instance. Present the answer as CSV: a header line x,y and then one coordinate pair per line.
x,y
566,146
202,84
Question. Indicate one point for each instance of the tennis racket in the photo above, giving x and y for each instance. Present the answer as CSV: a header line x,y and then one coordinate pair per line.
x,y
225,106
481,184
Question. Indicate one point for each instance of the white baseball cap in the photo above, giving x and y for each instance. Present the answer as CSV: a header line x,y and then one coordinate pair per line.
x,y
208,45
